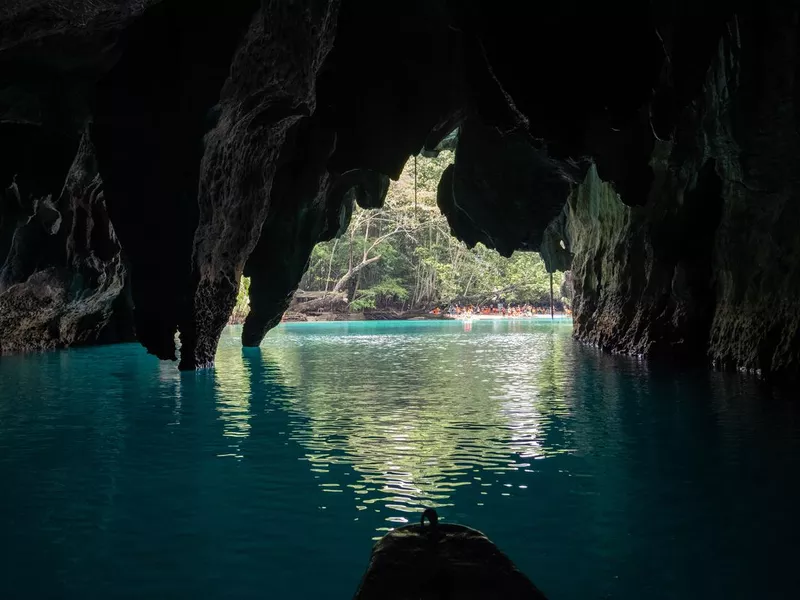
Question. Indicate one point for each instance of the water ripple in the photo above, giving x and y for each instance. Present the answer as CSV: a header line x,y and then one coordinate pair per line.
x,y
123,478
439,406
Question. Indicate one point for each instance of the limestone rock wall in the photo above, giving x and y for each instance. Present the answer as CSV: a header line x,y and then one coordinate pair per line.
x,y
63,276
707,268
268,97
63,282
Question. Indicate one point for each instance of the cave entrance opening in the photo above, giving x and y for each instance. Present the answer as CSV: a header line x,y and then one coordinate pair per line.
x,y
402,261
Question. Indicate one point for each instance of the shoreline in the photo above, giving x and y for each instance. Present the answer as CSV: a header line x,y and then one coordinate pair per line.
x,y
360,317
506,318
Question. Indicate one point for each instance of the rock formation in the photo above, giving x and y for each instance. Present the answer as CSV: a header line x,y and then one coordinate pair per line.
x,y
706,268
654,153
63,280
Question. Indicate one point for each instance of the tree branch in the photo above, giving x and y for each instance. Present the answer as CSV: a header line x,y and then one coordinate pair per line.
x,y
352,272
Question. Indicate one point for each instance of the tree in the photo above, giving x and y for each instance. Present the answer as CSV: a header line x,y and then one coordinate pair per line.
x,y
404,256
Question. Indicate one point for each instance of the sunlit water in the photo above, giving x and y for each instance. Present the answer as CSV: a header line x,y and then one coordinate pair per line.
x,y
270,476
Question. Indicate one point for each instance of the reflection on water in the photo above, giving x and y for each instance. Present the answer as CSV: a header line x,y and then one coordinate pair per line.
x,y
269,476
432,416
233,395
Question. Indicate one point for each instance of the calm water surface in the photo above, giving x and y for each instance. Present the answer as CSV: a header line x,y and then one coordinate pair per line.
x,y
271,476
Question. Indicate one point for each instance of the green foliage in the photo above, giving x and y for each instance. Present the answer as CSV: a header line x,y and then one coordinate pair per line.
x,y
419,263
389,289
242,308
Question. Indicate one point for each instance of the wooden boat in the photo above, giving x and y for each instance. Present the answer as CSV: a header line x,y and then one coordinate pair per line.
x,y
442,562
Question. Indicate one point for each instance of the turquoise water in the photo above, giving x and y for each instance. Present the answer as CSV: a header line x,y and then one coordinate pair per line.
x,y
271,476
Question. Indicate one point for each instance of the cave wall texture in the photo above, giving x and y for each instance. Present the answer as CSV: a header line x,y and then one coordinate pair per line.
x,y
153,151
706,269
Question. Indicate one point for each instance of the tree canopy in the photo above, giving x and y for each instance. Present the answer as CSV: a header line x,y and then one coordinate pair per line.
x,y
403,256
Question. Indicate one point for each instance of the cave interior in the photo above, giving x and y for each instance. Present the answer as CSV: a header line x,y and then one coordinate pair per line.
x,y
154,151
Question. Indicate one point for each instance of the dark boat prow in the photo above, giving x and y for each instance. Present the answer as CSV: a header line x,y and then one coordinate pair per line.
x,y
442,562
